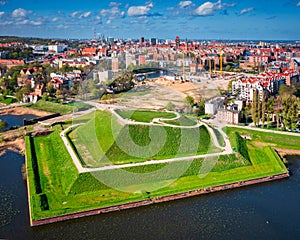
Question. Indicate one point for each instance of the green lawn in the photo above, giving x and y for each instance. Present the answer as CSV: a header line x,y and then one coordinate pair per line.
x,y
67,191
219,137
181,121
8,100
144,116
59,107
95,139
271,139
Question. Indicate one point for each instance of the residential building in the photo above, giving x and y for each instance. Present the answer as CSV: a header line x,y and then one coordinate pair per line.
x,y
212,105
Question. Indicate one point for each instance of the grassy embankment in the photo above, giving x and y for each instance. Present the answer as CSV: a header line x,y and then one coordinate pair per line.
x,y
59,107
144,115
96,139
73,192
181,121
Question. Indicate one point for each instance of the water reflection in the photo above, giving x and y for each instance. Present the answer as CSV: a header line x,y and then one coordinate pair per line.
x,y
264,211
15,120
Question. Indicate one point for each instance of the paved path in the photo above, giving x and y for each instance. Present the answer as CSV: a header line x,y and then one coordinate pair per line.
x,y
82,169
73,155
151,162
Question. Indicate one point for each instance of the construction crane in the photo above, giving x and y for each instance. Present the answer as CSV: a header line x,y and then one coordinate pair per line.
x,y
221,62
183,78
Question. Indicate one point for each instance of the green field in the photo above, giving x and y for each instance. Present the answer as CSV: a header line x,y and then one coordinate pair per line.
x,y
95,141
181,121
59,107
53,179
144,116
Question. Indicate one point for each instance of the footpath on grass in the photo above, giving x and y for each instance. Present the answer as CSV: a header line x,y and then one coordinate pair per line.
x,y
162,197
226,150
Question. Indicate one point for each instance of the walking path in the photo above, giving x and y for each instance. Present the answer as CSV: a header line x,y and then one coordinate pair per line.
x,y
226,150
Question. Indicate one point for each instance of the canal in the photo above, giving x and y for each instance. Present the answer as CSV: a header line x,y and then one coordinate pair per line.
x,y
15,120
264,211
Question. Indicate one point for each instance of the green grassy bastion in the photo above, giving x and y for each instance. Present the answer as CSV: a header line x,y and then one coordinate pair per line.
x,y
56,188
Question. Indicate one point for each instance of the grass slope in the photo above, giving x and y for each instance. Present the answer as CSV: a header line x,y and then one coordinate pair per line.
x,y
67,191
181,121
95,139
58,107
144,116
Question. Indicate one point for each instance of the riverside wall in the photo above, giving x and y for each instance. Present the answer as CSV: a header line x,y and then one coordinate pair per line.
x,y
157,200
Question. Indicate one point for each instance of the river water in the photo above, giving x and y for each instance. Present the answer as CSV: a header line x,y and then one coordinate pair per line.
x,y
15,120
264,211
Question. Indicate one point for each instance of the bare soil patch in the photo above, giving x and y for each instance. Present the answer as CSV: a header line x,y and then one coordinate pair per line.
x,y
22,111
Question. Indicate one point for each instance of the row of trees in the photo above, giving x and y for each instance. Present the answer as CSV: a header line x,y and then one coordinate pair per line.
x,y
284,106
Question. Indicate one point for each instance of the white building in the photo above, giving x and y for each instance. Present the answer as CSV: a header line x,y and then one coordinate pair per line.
x,y
57,48
212,105
105,75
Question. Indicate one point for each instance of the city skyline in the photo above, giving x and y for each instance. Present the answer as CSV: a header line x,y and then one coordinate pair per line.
x,y
246,19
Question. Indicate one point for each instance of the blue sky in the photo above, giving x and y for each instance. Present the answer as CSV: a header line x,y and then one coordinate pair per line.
x,y
195,19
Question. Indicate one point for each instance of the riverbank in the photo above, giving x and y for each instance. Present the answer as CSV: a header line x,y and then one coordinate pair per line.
x,y
283,152
157,200
23,111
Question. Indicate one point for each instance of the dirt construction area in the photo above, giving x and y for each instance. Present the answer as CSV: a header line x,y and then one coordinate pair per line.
x,y
156,93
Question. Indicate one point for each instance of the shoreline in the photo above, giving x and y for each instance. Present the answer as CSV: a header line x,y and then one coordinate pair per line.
x,y
23,110
86,213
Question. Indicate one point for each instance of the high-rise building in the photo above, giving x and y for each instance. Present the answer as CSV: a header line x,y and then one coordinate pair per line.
x,y
142,40
110,40
115,65
153,41
130,59
177,41
142,59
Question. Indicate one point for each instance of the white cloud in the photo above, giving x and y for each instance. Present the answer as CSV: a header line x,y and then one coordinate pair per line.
x,y
3,3
185,4
246,10
5,23
298,4
108,21
1,14
112,13
114,4
209,8
74,14
134,11
19,13
55,19
85,15
205,9
30,22
62,26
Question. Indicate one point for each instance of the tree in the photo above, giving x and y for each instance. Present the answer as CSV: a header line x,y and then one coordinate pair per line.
x,y
290,105
19,94
246,112
96,92
170,106
286,90
270,108
189,102
263,109
255,107
201,107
